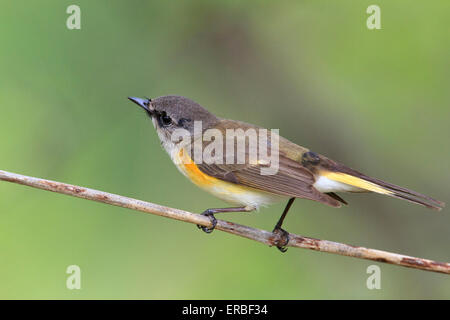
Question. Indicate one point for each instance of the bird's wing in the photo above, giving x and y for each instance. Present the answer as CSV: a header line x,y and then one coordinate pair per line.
x,y
291,179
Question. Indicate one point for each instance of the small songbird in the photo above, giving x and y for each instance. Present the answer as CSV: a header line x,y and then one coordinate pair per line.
x,y
300,173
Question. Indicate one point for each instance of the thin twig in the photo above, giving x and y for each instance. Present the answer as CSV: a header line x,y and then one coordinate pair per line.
x,y
262,236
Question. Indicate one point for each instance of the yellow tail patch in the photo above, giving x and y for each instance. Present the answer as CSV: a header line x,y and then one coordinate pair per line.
x,y
355,181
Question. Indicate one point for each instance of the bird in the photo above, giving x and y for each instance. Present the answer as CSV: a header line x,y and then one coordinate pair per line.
x,y
181,124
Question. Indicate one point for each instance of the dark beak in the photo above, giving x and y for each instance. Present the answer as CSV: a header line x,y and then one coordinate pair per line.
x,y
143,103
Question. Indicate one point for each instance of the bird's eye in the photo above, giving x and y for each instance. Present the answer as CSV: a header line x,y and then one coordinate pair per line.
x,y
165,119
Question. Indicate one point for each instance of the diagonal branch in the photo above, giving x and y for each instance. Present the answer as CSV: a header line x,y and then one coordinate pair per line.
x,y
262,236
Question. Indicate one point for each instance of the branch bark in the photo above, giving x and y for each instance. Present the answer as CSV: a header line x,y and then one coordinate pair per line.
x,y
262,236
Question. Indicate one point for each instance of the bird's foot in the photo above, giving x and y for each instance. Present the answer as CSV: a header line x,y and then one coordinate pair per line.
x,y
283,239
208,213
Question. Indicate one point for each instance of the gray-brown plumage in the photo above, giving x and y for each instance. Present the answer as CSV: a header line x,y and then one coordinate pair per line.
x,y
301,172
299,168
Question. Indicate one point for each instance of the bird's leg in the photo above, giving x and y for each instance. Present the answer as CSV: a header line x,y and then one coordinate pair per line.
x,y
281,245
210,214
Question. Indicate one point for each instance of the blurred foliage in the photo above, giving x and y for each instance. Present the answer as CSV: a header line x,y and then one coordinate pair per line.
x,y
375,100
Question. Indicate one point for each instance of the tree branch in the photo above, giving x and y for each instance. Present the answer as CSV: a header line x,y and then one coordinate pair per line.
x,y
262,236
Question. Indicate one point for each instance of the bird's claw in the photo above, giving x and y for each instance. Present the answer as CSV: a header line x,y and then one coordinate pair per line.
x,y
284,239
213,220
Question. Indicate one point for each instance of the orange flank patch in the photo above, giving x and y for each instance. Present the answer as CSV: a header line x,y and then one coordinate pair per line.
x,y
190,169
227,191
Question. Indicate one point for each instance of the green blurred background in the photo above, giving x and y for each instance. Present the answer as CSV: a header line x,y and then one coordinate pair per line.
x,y
375,100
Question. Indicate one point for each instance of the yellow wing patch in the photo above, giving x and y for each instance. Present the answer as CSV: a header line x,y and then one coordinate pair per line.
x,y
355,181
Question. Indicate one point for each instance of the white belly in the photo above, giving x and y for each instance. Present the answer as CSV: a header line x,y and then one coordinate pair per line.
x,y
250,198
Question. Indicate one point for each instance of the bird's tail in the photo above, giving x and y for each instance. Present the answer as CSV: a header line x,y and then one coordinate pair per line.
x,y
364,183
